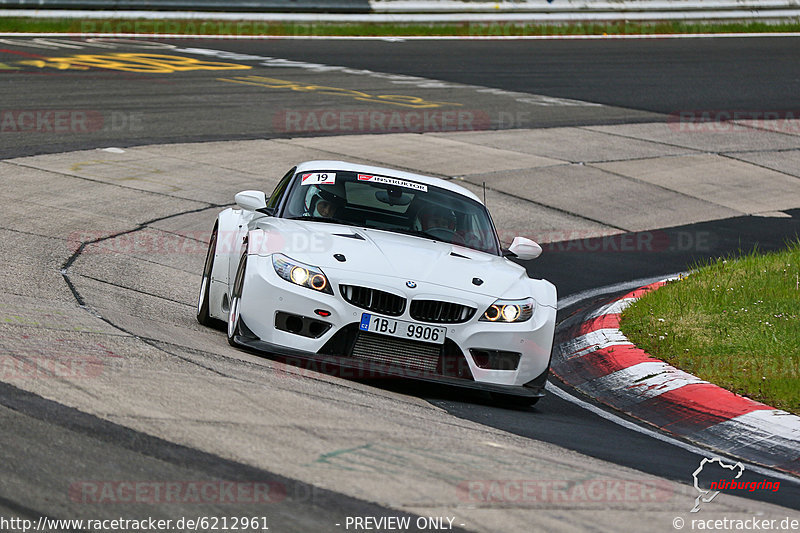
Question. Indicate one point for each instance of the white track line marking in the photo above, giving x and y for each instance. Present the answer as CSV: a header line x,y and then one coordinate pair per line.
x,y
617,287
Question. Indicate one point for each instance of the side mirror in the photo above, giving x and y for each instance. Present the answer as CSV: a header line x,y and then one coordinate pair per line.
x,y
525,249
251,200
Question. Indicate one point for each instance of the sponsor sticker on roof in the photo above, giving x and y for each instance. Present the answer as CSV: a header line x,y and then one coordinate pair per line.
x,y
318,178
393,181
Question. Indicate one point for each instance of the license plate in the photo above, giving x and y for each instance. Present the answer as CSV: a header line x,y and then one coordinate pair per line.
x,y
402,329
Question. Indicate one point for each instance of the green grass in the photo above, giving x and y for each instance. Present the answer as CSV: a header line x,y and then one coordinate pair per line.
x,y
733,322
211,27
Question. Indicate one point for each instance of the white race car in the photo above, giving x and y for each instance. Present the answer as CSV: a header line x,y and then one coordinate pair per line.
x,y
379,272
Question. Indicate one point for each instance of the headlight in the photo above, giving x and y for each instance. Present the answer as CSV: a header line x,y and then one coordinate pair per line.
x,y
301,274
509,311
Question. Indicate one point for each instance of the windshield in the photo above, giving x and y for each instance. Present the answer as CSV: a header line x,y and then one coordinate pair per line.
x,y
392,204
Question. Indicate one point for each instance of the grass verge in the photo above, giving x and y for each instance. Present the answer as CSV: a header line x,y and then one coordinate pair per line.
x,y
733,322
242,28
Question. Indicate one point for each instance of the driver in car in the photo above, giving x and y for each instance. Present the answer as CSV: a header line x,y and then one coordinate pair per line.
x,y
432,218
326,204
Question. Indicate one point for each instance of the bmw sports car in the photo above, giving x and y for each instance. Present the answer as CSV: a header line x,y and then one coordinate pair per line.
x,y
379,272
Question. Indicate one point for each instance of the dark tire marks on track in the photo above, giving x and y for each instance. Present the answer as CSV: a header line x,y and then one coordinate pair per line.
x,y
128,455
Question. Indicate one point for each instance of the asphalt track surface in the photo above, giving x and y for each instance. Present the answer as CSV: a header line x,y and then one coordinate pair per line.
x,y
637,80
657,75
633,80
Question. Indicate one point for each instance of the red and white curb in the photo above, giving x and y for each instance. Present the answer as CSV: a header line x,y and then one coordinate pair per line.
x,y
597,359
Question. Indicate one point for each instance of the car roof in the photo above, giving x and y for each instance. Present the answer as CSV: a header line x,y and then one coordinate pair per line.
x,y
381,171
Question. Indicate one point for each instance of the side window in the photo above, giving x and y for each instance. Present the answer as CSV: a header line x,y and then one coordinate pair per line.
x,y
277,194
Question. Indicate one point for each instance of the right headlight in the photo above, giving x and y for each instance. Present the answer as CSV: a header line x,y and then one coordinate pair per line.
x,y
507,311
301,274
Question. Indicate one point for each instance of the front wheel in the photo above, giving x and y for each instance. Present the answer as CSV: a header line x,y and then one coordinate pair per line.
x,y
234,315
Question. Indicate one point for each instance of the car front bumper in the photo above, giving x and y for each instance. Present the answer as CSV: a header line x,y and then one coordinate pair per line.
x,y
268,299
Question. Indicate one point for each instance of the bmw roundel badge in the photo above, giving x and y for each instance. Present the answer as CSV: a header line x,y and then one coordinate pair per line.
x,y
411,284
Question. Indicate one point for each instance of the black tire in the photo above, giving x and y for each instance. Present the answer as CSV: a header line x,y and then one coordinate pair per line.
x,y
234,315
203,304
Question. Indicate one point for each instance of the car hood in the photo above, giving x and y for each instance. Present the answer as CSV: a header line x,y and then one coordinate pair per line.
x,y
384,253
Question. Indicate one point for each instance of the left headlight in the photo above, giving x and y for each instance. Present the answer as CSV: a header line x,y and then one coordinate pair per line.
x,y
301,274
509,311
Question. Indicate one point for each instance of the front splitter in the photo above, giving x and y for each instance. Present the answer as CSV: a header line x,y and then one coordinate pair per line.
x,y
352,368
